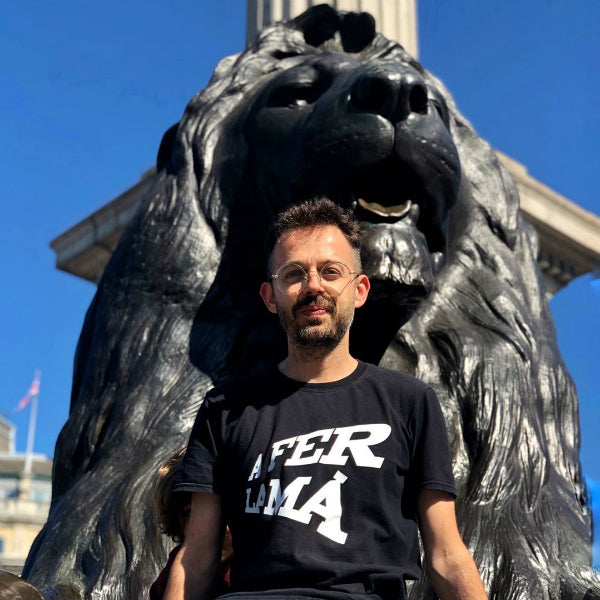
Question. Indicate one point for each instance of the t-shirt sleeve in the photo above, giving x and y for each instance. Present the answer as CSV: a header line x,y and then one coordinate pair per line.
x,y
432,464
200,468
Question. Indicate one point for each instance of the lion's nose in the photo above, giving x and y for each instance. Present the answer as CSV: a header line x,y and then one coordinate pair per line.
x,y
392,90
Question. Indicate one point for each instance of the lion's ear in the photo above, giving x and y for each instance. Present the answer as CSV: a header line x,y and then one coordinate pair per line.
x,y
268,296
318,24
363,285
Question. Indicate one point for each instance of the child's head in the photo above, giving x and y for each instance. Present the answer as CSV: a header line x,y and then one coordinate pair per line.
x,y
13,587
173,509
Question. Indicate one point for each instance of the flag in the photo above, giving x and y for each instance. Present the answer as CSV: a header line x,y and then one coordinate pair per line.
x,y
34,390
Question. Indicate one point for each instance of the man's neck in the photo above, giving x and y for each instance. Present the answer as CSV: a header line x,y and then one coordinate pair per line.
x,y
304,364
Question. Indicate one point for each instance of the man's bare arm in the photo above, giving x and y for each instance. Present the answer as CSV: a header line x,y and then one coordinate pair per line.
x,y
450,566
196,565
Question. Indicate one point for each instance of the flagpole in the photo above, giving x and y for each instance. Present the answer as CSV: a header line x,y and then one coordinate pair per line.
x,y
31,431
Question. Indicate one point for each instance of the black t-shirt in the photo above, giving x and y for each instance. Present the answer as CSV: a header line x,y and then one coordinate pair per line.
x,y
319,481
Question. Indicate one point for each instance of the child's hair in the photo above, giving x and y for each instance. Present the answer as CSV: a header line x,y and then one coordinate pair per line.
x,y
172,509
15,588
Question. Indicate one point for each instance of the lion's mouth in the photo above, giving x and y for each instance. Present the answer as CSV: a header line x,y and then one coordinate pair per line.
x,y
405,229
391,193
396,211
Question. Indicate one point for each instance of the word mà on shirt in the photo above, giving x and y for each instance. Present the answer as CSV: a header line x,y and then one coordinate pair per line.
x,y
325,502
338,445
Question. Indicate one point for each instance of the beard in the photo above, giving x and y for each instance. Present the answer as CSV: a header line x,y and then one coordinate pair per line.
x,y
314,336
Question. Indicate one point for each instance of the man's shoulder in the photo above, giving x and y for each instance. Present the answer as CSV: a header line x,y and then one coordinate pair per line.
x,y
414,398
395,378
239,388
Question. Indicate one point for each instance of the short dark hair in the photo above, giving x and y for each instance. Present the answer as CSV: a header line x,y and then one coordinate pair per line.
x,y
13,587
314,213
171,507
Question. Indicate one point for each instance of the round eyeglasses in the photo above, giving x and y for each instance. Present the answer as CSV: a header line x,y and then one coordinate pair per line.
x,y
290,278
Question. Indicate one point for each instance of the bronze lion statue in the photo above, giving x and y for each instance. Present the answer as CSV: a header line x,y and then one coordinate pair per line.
x,y
323,105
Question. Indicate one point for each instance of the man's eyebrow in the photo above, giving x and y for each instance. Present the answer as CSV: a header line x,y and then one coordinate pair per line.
x,y
302,263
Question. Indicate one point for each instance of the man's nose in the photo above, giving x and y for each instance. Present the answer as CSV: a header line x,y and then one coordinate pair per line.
x,y
392,90
313,282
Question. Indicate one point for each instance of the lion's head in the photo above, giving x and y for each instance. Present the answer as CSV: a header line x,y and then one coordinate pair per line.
x,y
323,105
370,133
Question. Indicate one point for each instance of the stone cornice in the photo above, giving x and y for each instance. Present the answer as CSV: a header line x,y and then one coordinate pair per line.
x,y
569,235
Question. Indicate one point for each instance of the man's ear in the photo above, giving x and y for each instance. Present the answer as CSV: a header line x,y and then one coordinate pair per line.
x,y
268,295
363,285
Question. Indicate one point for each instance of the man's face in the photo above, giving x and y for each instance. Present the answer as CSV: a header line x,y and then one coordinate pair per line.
x,y
317,313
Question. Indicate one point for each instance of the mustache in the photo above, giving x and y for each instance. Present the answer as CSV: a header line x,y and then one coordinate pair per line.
x,y
320,300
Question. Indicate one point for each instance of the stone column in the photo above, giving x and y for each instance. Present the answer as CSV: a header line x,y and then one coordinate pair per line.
x,y
396,19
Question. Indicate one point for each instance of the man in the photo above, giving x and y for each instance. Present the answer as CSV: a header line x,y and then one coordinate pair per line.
x,y
323,467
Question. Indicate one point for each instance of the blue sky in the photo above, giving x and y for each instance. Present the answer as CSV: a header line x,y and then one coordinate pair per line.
x,y
89,86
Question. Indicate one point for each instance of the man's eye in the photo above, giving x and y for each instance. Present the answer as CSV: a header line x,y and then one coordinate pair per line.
x,y
295,274
332,272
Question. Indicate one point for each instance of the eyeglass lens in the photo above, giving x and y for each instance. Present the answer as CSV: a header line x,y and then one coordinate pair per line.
x,y
292,276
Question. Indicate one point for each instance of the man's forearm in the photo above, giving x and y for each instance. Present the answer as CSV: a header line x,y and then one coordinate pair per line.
x,y
450,566
196,565
456,577
190,578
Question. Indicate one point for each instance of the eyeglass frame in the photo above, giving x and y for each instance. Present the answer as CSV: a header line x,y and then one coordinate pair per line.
x,y
306,277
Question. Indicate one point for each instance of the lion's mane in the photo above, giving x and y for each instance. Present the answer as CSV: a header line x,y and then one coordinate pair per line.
x,y
177,311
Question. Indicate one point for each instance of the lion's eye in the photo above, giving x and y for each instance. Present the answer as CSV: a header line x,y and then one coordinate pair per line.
x,y
294,96
441,107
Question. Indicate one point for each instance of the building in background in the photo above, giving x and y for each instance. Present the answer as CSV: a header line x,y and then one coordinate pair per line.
x,y
24,498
